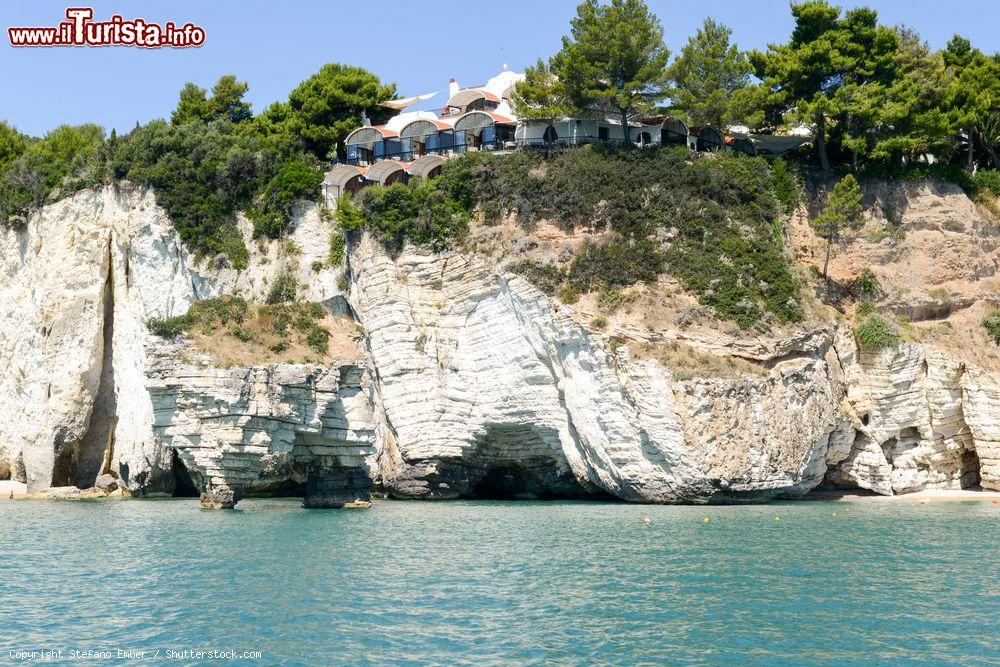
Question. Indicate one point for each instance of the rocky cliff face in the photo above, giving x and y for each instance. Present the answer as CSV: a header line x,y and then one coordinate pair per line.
x,y
472,384
261,429
923,421
487,386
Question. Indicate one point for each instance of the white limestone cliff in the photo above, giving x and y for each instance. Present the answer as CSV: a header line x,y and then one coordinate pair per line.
x,y
79,281
485,382
473,384
927,421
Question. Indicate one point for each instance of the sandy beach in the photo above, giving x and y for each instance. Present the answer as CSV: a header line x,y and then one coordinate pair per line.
x,y
920,496
7,485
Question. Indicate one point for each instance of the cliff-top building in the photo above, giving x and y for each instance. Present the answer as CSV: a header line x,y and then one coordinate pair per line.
x,y
416,143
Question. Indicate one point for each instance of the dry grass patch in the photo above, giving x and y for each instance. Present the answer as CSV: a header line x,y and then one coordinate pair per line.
x,y
688,363
237,333
963,336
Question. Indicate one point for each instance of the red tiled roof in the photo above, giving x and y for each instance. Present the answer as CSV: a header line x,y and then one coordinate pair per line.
x,y
385,132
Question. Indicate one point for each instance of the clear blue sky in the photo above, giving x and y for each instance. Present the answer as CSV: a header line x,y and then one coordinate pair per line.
x,y
418,45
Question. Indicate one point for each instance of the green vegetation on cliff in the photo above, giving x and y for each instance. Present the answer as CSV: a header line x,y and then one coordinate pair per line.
x,y
712,222
276,327
875,333
992,324
212,160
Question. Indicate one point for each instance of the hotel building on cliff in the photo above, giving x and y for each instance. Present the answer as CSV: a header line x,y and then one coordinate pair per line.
x,y
480,118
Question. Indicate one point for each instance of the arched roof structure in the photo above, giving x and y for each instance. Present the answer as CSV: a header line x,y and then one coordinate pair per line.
x,y
464,98
473,120
385,170
422,128
674,130
341,175
425,165
709,139
364,136
741,144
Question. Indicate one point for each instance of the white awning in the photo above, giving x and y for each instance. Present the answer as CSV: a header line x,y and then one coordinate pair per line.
x,y
464,98
407,101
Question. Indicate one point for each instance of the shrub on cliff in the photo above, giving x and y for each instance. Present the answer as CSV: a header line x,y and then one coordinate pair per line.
x,y
338,247
275,327
987,181
284,288
617,263
427,212
545,277
169,327
992,324
294,181
64,160
203,174
875,333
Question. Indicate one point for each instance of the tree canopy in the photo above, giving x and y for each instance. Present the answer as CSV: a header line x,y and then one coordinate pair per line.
x,y
710,76
830,67
212,160
541,95
613,60
226,102
324,108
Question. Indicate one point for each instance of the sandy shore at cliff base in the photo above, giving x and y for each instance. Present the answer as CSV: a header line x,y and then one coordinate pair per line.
x,y
7,485
920,496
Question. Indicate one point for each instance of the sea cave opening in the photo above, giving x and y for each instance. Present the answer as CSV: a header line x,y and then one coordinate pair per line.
x,y
184,486
971,470
506,480
520,462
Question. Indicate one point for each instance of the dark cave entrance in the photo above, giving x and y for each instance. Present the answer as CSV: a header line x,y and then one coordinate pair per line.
x,y
507,480
971,471
518,462
286,488
184,486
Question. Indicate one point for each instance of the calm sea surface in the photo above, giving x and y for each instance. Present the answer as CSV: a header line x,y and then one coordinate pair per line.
x,y
887,583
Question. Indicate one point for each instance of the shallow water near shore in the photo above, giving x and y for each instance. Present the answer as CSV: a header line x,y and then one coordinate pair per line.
x,y
807,583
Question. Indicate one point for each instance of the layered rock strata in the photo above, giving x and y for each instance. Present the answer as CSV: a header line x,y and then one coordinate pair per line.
x,y
473,384
488,386
247,430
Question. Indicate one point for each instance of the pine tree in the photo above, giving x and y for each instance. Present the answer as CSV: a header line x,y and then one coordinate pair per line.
x,y
227,99
973,102
708,75
826,55
193,105
842,211
540,96
614,60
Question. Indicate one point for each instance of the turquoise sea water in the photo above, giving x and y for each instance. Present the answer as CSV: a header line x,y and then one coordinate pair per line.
x,y
887,583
